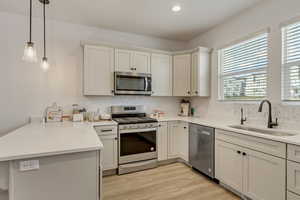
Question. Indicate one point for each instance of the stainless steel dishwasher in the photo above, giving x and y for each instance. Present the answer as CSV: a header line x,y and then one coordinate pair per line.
x,y
201,149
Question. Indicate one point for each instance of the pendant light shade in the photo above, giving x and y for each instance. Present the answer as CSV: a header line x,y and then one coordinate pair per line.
x,y
30,51
45,63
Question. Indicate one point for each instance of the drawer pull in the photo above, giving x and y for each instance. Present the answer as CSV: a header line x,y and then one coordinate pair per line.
x,y
107,130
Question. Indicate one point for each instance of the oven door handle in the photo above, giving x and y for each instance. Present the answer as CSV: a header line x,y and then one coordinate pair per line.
x,y
137,130
146,84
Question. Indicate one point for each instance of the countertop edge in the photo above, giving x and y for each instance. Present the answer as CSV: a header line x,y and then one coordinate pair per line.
x,y
290,140
47,154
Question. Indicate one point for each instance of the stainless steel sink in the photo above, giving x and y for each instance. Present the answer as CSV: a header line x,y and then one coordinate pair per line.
x,y
272,132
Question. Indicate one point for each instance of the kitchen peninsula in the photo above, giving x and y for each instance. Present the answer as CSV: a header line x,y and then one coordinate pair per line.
x,y
51,161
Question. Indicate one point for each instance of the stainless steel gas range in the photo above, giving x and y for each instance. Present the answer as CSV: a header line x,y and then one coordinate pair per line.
x,y
137,138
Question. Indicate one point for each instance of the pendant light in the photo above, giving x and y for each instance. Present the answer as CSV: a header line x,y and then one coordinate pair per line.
x,y
45,63
30,51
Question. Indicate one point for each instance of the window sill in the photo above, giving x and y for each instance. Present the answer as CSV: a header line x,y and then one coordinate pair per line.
x,y
291,102
241,101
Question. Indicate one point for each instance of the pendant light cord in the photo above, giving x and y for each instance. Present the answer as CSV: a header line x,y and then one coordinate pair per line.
x,y
44,11
30,21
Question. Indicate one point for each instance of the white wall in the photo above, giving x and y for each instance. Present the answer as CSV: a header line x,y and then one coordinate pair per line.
x,y
268,14
26,90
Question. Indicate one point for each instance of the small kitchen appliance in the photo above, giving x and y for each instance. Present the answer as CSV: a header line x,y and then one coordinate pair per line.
x,y
184,108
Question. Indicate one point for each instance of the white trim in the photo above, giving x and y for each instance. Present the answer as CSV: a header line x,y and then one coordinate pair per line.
x,y
245,38
289,22
125,47
222,75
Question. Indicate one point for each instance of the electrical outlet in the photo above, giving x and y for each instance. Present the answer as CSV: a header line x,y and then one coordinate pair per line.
x,y
29,165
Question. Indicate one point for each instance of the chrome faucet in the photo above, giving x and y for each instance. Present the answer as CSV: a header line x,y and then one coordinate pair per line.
x,y
243,119
271,124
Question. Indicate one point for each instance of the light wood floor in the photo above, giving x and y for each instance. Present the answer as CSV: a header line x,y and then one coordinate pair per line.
x,y
170,182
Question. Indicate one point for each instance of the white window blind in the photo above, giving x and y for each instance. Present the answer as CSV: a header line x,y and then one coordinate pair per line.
x,y
243,69
291,62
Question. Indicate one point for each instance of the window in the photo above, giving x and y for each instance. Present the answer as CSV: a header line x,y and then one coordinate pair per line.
x,y
291,62
243,69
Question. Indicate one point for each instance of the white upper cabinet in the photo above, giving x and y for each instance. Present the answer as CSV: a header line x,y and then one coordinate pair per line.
x,y
200,73
123,60
161,68
98,70
132,61
141,62
181,75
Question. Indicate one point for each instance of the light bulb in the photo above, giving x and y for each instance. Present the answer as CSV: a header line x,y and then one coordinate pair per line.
x,y
30,52
176,8
45,64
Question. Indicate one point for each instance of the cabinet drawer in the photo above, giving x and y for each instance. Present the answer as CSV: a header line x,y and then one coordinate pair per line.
x,y
293,153
293,177
106,130
255,143
292,196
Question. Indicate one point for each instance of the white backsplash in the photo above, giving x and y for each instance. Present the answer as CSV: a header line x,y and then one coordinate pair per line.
x,y
169,105
288,115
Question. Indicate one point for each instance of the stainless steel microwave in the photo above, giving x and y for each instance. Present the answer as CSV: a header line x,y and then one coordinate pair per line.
x,y
128,83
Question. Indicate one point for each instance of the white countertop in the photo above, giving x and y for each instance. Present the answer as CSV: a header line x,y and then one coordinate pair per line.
x,y
225,125
37,140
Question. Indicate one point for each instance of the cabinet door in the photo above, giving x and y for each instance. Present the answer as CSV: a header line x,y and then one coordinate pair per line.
x,y
183,141
264,176
181,75
110,152
123,59
141,62
200,76
293,177
162,141
161,68
173,139
194,74
98,70
229,164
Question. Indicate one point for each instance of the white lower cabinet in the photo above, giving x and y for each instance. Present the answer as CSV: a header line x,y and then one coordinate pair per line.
x,y
178,137
229,165
264,176
293,177
183,141
256,175
173,137
110,152
162,141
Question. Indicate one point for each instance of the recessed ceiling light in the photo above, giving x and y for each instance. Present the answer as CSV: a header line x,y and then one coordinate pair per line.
x,y
176,8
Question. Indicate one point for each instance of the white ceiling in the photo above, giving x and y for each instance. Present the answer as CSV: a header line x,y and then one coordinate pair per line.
x,y
148,17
